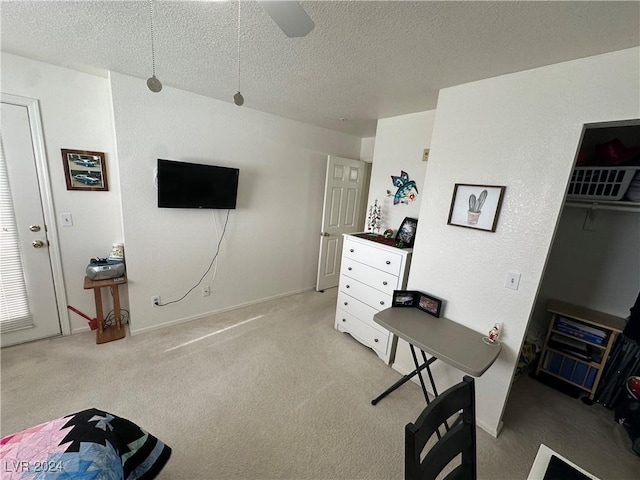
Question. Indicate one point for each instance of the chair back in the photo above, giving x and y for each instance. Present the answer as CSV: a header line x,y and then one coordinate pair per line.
x,y
458,439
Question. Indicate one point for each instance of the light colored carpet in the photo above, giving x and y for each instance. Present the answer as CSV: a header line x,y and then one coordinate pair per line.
x,y
273,391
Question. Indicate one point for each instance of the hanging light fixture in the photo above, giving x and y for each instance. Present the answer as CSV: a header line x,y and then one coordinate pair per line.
x,y
153,83
238,99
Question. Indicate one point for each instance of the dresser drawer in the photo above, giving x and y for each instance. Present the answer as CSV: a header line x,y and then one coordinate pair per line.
x,y
364,293
363,332
383,281
355,307
382,259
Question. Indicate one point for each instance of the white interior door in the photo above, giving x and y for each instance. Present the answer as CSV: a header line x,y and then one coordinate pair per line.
x,y
29,306
343,213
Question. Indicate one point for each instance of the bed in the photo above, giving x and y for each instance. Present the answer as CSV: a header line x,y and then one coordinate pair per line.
x,y
91,444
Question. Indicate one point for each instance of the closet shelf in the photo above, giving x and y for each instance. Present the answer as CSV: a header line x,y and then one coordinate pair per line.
x,y
619,205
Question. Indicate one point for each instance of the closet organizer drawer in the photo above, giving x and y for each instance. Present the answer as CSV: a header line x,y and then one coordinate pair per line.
x,y
383,281
364,293
376,257
361,331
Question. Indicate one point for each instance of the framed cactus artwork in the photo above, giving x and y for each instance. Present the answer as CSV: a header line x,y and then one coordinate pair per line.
x,y
476,206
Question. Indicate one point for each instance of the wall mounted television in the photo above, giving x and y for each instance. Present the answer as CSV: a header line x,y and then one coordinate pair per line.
x,y
194,185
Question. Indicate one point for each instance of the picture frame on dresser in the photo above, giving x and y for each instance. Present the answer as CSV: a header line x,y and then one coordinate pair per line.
x,y
407,231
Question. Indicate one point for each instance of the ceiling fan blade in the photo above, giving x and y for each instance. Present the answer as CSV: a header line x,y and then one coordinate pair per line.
x,y
289,16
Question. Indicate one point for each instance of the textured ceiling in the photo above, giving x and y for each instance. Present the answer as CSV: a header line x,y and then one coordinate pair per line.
x,y
363,60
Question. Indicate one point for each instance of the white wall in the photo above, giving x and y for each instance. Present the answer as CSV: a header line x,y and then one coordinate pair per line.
x,y
399,144
76,114
271,244
367,145
598,268
521,131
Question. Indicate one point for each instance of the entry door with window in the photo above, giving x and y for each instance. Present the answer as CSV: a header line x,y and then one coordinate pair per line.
x,y
28,304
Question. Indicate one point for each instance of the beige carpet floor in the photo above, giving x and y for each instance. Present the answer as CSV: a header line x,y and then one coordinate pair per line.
x,y
273,391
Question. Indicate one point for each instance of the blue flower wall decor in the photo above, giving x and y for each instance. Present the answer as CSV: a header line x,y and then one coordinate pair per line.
x,y
406,187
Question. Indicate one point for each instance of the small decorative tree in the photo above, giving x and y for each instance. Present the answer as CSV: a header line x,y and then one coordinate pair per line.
x,y
373,219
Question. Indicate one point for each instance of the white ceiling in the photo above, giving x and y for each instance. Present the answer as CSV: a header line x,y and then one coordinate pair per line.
x,y
363,60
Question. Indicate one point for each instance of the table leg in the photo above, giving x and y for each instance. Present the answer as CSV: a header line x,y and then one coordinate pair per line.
x,y
402,381
115,292
415,362
99,314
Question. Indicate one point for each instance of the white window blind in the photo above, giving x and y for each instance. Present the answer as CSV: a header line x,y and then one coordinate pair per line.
x,y
14,305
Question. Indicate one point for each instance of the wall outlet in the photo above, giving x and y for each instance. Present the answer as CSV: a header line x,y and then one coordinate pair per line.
x,y
155,300
425,155
206,291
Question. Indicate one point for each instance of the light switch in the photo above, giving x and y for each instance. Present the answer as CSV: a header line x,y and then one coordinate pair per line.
x,y
67,219
513,281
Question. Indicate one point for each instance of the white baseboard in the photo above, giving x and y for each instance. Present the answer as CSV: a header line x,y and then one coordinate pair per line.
x,y
215,312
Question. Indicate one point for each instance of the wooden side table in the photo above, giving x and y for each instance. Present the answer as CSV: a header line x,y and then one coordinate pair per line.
x,y
111,332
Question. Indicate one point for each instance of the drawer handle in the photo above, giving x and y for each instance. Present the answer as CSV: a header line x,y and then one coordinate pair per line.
x,y
388,262
375,340
381,302
384,283
351,250
344,319
347,286
346,303
349,268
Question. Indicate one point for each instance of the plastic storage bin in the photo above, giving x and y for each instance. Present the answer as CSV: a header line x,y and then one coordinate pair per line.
x,y
600,183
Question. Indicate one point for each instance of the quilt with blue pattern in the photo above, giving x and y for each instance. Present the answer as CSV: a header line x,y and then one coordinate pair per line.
x,y
88,445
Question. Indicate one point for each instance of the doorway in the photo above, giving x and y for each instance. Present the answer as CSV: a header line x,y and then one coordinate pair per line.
x,y
31,274
346,187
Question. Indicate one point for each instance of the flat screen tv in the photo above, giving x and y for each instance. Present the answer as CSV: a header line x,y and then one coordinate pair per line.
x,y
194,185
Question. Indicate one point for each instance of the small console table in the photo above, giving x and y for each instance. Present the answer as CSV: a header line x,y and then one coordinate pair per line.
x,y
443,339
113,332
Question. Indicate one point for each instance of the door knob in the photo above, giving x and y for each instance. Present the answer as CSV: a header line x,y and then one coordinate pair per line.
x,y
325,234
37,244
34,228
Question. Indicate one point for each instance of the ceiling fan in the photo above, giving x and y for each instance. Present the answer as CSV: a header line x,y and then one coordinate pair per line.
x,y
289,16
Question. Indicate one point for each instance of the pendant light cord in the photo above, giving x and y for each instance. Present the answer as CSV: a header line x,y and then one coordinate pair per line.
x,y
153,50
238,45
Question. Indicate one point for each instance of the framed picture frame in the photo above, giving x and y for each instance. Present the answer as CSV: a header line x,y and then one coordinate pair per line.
x,y
85,170
407,231
476,206
404,298
429,304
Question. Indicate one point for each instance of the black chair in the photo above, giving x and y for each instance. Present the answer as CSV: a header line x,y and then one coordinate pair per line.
x,y
460,438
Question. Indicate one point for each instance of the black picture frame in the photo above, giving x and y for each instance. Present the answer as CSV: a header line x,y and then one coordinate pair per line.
x,y
404,298
429,304
476,206
407,231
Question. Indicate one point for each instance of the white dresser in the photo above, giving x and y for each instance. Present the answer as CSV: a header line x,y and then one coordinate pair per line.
x,y
369,274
